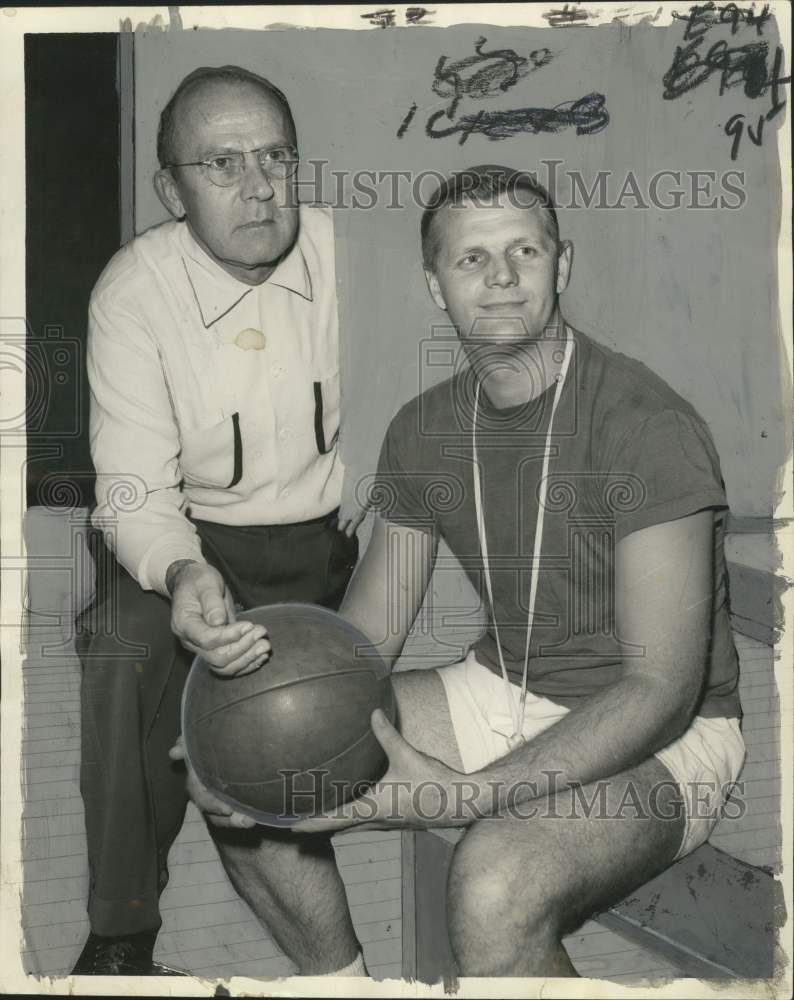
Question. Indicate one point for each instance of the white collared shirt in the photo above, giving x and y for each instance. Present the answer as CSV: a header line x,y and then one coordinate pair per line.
x,y
188,414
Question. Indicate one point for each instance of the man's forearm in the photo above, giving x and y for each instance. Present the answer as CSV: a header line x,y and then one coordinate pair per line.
x,y
663,601
609,732
372,619
147,541
389,585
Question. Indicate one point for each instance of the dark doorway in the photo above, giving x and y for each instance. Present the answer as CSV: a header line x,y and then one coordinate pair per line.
x,y
73,228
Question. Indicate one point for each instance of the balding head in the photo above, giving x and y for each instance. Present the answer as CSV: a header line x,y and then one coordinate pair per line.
x,y
246,220
189,94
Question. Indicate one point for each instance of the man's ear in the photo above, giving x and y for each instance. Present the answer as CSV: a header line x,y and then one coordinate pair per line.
x,y
435,289
564,265
168,192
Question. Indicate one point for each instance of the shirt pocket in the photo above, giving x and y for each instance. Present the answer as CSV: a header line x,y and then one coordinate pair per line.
x,y
326,412
213,456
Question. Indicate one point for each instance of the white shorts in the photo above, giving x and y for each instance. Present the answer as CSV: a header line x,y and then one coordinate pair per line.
x,y
704,762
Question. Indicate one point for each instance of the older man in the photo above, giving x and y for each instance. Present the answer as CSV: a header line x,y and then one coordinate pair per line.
x,y
590,736
214,371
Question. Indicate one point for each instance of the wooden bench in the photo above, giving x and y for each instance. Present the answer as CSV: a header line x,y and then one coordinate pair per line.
x,y
710,915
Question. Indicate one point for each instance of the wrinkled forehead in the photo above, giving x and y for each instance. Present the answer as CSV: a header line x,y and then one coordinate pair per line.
x,y
225,114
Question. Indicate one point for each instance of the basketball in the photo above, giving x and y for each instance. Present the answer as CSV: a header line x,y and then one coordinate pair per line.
x,y
293,737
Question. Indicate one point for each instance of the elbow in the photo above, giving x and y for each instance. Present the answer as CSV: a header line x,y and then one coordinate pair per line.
x,y
673,704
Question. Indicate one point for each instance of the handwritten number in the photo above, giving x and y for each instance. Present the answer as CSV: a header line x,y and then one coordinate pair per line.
x,y
686,72
488,72
440,133
747,62
775,81
406,121
589,115
758,137
481,74
471,127
738,65
735,126
704,16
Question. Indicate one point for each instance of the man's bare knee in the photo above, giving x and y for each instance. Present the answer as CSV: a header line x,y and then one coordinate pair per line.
x,y
500,905
292,884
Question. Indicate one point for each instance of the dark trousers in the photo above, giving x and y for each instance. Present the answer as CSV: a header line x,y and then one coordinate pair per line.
x,y
134,669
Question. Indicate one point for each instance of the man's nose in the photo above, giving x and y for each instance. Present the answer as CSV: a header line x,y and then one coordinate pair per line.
x,y
254,182
500,272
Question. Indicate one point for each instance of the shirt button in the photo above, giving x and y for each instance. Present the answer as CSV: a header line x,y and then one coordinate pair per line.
x,y
277,371
284,433
285,492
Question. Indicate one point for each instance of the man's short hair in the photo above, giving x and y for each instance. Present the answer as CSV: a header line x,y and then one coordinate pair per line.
x,y
211,74
482,185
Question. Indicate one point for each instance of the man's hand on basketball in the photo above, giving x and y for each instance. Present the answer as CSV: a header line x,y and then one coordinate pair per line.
x,y
217,812
416,791
203,619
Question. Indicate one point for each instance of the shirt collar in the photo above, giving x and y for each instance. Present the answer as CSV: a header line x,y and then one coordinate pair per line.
x,y
217,292
292,273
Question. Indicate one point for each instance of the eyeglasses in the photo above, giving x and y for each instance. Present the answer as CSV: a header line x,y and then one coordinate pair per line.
x,y
226,169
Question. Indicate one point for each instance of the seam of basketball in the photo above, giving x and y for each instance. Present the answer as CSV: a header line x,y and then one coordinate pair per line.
x,y
308,770
277,687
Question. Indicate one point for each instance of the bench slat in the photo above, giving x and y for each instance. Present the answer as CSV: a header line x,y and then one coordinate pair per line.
x,y
710,914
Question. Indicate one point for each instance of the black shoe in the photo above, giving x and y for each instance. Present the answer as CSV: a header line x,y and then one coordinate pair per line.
x,y
121,956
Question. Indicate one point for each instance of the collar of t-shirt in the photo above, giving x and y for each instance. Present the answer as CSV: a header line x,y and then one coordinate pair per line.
x,y
217,292
527,416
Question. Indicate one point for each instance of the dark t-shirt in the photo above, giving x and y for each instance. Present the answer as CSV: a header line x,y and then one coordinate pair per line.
x,y
627,452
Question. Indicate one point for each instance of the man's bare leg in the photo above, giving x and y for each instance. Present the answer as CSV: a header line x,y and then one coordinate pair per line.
x,y
423,716
291,882
518,885
293,886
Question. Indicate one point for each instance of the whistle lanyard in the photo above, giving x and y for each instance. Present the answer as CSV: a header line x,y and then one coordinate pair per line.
x,y
517,711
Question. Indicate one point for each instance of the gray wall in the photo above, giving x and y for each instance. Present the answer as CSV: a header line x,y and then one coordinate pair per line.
x,y
690,292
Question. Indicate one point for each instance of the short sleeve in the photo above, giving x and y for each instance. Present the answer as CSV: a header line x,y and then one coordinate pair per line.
x,y
399,492
664,469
